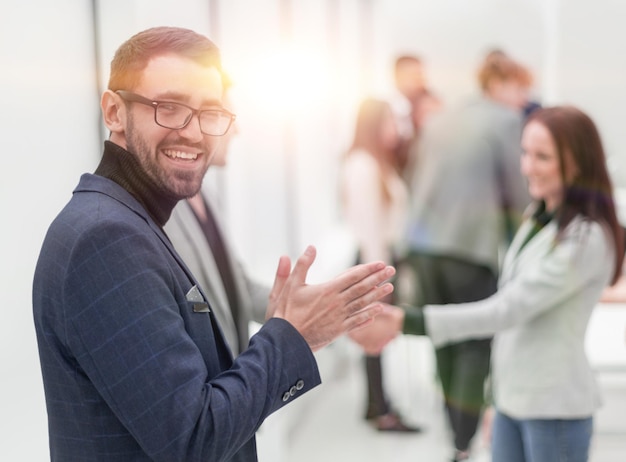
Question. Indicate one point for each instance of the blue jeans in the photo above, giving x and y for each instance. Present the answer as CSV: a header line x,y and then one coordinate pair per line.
x,y
540,440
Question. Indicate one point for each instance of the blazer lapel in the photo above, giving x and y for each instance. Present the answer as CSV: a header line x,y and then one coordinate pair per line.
x,y
217,329
102,185
517,258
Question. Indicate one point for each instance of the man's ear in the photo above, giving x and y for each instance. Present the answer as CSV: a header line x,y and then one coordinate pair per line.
x,y
113,112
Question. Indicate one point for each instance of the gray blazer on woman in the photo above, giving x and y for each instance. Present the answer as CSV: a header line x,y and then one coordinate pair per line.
x,y
539,316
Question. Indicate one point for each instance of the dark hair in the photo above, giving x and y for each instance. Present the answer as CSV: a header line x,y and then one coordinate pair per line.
x,y
133,56
591,192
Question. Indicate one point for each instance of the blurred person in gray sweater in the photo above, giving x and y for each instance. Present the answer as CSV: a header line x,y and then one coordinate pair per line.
x,y
466,202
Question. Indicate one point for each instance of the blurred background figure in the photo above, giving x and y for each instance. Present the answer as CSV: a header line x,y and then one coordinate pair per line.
x,y
467,199
524,99
411,104
569,247
374,204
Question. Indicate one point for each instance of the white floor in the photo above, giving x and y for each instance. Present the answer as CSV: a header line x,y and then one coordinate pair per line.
x,y
326,424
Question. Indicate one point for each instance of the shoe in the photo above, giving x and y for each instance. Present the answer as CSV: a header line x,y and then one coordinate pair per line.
x,y
461,456
392,422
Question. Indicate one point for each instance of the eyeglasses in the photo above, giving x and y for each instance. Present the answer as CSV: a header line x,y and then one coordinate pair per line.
x,y
167,114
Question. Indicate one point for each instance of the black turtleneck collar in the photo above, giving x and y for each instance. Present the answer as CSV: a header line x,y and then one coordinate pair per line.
x,y
122,167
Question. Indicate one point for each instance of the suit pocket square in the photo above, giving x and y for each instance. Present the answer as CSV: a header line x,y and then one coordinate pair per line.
x,y
197,302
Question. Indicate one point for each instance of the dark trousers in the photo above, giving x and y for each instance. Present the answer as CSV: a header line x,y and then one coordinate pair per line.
x,y
377,404
462,367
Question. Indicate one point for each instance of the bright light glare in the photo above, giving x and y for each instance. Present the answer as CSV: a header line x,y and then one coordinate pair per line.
x,y
285,82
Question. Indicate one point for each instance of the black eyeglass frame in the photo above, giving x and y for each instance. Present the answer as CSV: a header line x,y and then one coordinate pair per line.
x,y
136,98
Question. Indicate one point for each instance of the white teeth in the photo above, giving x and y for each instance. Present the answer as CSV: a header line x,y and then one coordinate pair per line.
x,y
181,155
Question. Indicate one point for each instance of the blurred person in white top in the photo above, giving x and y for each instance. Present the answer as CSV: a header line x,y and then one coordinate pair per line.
x,y
375,203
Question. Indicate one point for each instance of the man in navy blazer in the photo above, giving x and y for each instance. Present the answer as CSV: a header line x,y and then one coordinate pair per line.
x,y
135,366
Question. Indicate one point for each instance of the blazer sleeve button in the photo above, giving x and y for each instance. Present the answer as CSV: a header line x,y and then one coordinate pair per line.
x,y
300,385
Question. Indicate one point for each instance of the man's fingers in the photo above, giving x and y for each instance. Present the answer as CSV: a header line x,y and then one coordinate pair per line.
x,y
373,273
373,277
283,270
364,295
303,264
363,317
282,274
365,285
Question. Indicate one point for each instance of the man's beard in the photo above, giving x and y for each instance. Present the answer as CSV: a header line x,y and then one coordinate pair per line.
x,y
178,184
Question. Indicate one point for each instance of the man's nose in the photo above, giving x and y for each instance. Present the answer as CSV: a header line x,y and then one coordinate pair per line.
x,y
192,131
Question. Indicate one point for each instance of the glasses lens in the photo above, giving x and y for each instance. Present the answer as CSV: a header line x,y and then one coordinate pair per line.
x,y
214,122
172,115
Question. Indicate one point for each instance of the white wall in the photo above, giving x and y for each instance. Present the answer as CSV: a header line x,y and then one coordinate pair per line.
x,y
279,190
591,70
48,125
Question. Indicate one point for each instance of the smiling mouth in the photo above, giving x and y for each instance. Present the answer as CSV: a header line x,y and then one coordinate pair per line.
x,y
180,154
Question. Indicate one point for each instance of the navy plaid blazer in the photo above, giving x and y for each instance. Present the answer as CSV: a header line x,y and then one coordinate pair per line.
x,y
133,370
